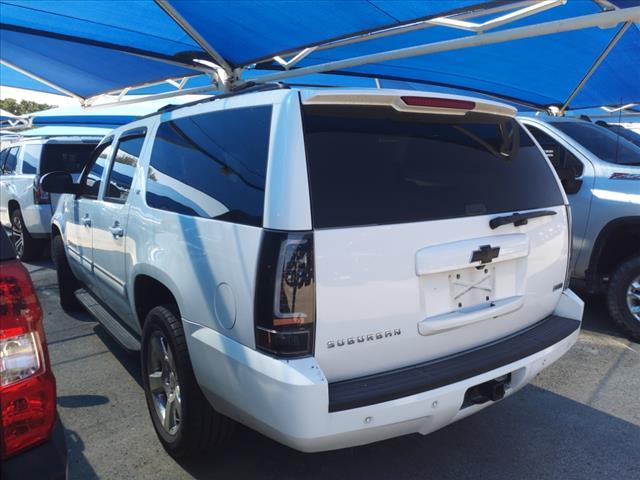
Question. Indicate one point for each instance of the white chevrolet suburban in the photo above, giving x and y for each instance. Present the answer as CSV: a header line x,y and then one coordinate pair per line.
x,y
24,207
329,267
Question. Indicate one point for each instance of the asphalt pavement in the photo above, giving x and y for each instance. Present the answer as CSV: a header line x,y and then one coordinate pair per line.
x,y
580,419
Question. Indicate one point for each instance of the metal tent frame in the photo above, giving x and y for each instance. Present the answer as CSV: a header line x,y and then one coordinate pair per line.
x,y
226,77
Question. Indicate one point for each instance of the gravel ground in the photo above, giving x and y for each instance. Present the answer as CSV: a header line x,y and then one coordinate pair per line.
x,y
580,419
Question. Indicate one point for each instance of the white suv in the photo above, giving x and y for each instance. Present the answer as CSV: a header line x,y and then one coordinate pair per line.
x,y
24,207
329,267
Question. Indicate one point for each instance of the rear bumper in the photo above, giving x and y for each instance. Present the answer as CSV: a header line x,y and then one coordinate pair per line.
x,y
47,461
291,401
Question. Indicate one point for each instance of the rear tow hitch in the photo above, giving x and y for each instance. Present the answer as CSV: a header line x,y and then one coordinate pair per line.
x,y
493,390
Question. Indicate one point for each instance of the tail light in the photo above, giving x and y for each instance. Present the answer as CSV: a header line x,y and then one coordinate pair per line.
x,y
285,294
567,276
40,197
27,385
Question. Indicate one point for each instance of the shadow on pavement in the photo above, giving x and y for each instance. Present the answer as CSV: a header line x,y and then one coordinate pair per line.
x,y
79,466
596,315
129,360
534,434
77,401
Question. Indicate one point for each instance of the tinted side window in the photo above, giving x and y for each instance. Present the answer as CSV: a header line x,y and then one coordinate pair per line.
x,y
123,167
66,157
602,142
11,161
93,177
378,166
30,158
3,158
212,165
559,156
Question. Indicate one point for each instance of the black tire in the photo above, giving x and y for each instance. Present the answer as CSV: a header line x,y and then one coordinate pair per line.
x,y
200,426
627,273
26,246
67,282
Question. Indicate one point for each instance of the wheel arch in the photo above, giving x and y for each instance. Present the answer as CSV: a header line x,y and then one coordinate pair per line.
x,y
12,206
150,288
618,240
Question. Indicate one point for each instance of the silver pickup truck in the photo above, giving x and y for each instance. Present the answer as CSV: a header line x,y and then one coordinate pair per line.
x,y
600,172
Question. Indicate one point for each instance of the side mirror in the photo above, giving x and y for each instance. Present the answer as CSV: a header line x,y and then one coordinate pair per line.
x,y
58,182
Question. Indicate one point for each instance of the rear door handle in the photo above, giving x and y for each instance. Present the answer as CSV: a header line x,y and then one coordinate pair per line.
x,y
116,230
86,221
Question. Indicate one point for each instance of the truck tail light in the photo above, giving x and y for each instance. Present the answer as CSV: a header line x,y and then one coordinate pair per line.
x,y
567,276
40,197
27,385
284,311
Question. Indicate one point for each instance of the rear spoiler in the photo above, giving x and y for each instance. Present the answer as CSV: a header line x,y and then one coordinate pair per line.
x,y
411,102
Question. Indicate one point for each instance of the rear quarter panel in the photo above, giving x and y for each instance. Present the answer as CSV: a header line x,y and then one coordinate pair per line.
x,y
209,265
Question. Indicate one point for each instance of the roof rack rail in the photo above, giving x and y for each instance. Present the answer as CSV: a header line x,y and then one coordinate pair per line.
x,y
249,87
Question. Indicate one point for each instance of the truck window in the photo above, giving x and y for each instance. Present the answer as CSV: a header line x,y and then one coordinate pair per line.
x,y
65,157
212,165
559,156
124,165
602,142
377,166
11,161
93,177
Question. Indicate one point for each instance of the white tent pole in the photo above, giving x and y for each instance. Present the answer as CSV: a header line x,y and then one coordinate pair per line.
x,y
42,80
193,33
595,66
419,25
602,20
157,96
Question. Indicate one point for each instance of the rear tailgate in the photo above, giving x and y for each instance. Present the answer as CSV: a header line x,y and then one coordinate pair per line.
x,y
408,268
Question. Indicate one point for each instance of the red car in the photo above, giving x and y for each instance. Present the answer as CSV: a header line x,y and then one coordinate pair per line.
x,y
32,443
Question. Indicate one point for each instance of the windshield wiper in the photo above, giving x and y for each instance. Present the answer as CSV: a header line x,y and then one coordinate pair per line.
x,y
518,219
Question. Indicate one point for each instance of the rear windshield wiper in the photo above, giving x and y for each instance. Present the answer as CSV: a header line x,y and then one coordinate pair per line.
x,y
518,219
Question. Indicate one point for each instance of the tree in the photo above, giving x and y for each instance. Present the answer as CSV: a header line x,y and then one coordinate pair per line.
x,y
23,107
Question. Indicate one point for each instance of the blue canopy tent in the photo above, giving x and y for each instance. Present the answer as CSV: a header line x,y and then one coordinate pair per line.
x,y
538,53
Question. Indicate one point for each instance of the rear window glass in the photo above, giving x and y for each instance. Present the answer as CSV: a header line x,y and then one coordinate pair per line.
x,y
65,157
602,142
212,165
376,166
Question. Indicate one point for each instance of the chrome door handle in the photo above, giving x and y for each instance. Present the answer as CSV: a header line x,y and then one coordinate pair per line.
x,y
116,230
86,221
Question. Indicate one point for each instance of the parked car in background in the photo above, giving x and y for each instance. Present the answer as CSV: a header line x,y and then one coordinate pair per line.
x,y
600,171
329,267
24,207
32,443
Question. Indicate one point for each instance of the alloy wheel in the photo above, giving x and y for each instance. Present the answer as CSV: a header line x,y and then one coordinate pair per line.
x,y
163,383
633,297
17,235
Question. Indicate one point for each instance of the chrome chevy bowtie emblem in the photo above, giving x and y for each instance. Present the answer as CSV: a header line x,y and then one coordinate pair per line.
x,y
485,254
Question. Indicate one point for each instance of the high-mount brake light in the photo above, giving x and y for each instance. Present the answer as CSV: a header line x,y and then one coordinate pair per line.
x,y
27,385
285,294
435,102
